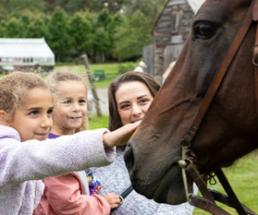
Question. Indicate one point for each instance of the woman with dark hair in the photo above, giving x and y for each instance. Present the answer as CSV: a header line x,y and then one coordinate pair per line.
x,y
130,97
147,80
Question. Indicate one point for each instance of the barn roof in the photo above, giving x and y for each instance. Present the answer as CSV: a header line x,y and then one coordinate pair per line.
x,y
195,4
36,48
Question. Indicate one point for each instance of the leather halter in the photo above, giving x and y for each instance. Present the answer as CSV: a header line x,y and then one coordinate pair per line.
x,y
207,202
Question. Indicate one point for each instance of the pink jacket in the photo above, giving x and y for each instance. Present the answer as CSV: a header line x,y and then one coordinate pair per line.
x,y
64,195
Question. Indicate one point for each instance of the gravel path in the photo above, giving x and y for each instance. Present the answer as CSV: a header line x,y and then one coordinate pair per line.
x,y
102,94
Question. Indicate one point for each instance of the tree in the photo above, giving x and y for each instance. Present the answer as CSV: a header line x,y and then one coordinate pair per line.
x,y
106,24
150,8
14,28
72,6
59,39
132,36
101,44
136,30
106,29
38,27
115,6
10,7
81,30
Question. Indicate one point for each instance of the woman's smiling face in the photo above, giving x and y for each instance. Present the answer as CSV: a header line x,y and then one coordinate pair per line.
x,y
133,100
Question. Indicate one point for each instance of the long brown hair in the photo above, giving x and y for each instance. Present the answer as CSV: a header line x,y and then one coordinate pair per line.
x,y
152,85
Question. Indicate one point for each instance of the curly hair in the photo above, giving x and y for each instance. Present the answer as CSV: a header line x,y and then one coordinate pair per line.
x,y
15,86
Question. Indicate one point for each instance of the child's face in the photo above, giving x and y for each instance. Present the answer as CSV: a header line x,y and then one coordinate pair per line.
x,y
33,117
70,107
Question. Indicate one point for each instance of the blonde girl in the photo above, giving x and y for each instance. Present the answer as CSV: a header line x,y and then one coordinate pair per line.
x,y
25,118
69,194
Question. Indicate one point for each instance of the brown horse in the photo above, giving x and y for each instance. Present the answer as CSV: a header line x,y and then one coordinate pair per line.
x,y
229,128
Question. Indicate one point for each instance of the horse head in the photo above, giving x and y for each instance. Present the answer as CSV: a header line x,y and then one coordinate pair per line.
x,y
228,130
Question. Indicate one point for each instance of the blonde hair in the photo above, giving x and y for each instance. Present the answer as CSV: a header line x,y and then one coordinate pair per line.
x,y
54,78
15,86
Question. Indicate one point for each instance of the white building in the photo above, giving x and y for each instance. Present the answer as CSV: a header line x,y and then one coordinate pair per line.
x,y
25,52
141,67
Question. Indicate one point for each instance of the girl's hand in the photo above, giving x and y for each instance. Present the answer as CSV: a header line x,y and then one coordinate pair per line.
x,y
120,136
113,200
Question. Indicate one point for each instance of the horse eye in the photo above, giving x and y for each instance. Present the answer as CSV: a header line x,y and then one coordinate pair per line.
x,y
204,30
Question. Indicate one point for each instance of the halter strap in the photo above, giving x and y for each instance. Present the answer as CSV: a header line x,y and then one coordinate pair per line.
x,y
219,77
255,54
207,203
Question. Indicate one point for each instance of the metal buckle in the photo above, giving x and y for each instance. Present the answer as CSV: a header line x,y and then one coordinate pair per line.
x,y
255,56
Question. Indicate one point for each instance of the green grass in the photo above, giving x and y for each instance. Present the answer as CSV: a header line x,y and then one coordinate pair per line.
x,y
243,176
98,122
111,71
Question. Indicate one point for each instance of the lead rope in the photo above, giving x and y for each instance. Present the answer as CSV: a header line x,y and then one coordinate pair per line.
x,y
255,53
183,164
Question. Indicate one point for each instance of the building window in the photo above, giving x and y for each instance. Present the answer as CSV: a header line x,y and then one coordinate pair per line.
x,y
176,15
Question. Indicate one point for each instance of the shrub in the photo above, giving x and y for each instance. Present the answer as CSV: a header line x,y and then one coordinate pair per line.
x,y
125,67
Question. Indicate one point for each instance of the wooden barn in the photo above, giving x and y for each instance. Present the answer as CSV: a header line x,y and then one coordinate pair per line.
x,y
170,32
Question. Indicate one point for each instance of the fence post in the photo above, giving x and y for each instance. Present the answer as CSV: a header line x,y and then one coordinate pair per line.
x,y
92,84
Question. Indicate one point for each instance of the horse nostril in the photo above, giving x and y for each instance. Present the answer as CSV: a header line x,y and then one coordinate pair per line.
x,y
129,158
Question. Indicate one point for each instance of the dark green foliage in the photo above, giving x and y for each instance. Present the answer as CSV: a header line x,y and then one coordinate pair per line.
x,y
107,30
12,7
60,40
123,68
132,36
82,35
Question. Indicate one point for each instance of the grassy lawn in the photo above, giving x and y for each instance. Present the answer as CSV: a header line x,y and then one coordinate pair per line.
x,y
111,71
98,122
243,176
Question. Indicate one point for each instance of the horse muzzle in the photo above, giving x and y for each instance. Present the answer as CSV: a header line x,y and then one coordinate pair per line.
x,y
159,187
